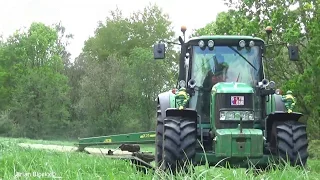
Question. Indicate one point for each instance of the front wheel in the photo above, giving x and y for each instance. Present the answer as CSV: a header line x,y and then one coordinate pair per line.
x,y
292,143
159,139
179,143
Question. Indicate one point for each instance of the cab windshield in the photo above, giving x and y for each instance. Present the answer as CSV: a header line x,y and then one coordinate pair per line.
x,y
226,64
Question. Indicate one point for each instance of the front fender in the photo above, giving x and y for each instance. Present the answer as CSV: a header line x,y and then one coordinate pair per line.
x,y
187,112
166,100
277,112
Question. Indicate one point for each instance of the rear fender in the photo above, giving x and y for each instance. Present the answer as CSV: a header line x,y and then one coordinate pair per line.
x,y
280,116
189,113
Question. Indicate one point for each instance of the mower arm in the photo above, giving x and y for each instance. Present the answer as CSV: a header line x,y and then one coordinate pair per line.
x,y
131,138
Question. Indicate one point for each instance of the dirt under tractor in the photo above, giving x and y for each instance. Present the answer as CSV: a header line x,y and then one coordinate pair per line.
x,y
223,111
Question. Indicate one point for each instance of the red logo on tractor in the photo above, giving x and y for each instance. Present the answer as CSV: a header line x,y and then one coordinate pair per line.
x,y
237,100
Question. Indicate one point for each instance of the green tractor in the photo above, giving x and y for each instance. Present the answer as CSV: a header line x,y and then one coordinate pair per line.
x,y
225,110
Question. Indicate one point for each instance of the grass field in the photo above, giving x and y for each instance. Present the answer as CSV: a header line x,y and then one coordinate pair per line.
x,y
24,163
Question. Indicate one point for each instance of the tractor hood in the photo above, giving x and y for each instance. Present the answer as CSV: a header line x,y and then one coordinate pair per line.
x,y
232,87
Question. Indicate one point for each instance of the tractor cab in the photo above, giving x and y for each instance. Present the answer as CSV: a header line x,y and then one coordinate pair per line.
x,y
229,64
224,76
225,63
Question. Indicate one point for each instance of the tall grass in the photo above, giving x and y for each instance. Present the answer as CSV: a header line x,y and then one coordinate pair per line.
x,y
24,163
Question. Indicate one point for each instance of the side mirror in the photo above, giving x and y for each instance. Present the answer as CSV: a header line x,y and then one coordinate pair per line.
x,y
159,51
293,53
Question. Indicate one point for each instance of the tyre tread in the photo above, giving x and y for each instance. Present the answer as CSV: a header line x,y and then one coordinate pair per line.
x,y
179,142
292,141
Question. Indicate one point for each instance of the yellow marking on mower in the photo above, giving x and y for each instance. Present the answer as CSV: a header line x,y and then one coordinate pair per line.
x,y
107,141
147,136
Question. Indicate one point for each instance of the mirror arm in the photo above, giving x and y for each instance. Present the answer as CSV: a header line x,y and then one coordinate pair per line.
x,y
169,42
281,43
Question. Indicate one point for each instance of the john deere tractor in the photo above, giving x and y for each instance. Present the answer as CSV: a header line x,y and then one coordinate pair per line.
x,y
224,109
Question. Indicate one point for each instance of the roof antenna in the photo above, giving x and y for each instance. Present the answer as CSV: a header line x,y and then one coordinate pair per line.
x,y
183,30
268,31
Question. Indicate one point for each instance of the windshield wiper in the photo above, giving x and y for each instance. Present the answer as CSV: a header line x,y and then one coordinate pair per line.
x,y
242,57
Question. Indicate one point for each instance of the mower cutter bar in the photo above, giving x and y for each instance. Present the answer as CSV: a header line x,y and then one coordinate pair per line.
x,y
131,138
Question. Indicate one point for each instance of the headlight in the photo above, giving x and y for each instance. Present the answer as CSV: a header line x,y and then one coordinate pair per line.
x,y
201,43
242,43
235,115
251,43
222,115
272,84
210,43
250,117
230,115
182,84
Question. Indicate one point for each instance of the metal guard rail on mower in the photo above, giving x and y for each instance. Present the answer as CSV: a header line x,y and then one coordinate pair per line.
x,y
131,138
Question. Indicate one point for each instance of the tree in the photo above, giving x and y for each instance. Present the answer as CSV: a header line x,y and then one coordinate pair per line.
x,y
120,34
38,89
121,79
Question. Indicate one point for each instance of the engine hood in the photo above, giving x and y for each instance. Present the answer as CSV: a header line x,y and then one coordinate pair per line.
x,y
232,87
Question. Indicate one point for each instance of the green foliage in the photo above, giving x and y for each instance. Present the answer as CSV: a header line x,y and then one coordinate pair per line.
x,y
36,90
119,34
71,165
120,79
110,88
17,162
314,149
39,103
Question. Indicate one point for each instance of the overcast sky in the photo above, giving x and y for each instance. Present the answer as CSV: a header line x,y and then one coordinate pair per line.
x,y
80,17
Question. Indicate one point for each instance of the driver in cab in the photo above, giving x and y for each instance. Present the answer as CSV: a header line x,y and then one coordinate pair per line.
x,y
217,74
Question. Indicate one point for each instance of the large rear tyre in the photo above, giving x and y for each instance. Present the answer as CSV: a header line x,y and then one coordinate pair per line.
x,y
179,143
292,143
159,138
